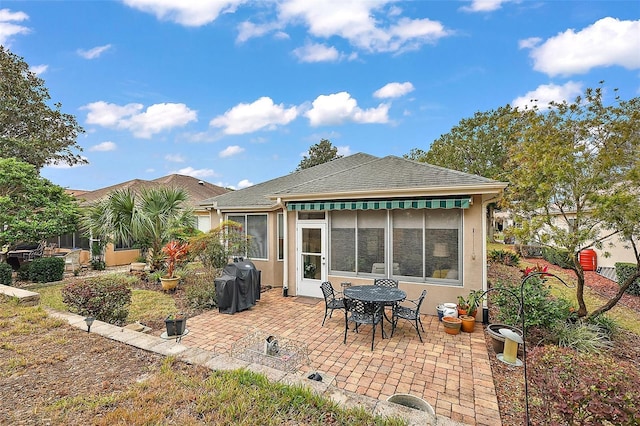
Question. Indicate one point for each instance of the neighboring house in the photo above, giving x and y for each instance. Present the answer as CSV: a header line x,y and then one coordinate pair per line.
x,y
360,217
197,189
613,249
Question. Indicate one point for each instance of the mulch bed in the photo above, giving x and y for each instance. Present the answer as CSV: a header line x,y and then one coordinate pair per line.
x,y
509,381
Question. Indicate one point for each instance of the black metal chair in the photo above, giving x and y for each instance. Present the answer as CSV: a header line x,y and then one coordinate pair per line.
x,y
362,313
409,313
386,282
332,300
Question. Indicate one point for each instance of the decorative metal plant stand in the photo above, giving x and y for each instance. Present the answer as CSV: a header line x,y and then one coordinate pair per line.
x,y
259,347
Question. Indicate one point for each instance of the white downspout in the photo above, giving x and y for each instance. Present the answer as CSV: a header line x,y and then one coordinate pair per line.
x,y
485,284
285,249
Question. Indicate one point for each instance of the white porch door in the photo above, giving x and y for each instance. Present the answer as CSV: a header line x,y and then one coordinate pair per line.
x,y
311,263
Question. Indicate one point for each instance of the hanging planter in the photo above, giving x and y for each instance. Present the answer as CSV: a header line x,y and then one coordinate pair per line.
x,y
451,325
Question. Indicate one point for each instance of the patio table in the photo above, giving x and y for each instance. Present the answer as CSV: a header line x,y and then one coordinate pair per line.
x,y
375,294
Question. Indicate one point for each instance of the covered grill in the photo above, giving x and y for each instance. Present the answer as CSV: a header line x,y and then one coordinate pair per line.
x,y
238,288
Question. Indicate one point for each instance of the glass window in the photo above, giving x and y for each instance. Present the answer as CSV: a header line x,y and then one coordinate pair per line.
x,y
421,245
442,236
280,236
371,245
343,241
255,227
203,223
408,250
257,230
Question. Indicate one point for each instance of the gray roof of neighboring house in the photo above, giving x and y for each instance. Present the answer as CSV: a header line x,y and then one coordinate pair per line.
x,y
357,175
197,189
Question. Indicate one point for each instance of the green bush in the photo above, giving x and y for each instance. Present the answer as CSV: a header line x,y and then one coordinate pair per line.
x,y
23,272
625,270
98,265
506,257
200,289
582,337
106,298
572,388
46,270
559,257
6,272
540,308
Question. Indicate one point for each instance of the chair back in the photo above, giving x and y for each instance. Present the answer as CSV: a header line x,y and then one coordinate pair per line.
x,y
327,291
386,282
360,309
420,300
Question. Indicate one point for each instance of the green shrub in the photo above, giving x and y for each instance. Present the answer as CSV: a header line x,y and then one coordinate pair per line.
x,y
106,298
624,271
6,273
23,272
98,265
606,324
46,270
200,289
572,388
540,308
506,257
582,337
557,256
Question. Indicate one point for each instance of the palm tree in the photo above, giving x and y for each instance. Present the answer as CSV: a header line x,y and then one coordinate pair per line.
x,y
149,219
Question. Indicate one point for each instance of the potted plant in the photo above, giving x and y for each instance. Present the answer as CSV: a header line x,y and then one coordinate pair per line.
x,y
174,252
469,305
176,324
139,265
451,325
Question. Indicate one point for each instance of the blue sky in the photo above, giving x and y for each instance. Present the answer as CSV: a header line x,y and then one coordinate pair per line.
x,y
234,92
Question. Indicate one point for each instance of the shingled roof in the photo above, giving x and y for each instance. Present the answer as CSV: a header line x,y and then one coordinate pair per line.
x,y
357,176
197,189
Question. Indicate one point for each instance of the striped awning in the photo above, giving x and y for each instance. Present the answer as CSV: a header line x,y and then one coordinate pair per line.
x,y
427,203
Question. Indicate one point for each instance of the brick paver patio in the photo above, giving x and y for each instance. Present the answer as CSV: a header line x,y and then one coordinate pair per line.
x,y
452,373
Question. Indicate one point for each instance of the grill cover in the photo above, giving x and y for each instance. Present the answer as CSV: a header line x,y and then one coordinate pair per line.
x,y
238,288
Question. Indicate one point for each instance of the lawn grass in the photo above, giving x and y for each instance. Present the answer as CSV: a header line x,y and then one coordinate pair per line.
x,y
171,392
145,305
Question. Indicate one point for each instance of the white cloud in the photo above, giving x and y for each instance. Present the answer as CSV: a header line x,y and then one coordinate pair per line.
x,y
394,90
7,26
65,165
247,118
315,52
157,118
230,151
248,30
104,146
196,173
608,42
175,158
365,25
344,150
245,183
340,107
188,13
94,52
547,93
39,69
484,5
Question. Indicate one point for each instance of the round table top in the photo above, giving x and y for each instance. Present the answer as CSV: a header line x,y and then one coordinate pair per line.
x,y
374,293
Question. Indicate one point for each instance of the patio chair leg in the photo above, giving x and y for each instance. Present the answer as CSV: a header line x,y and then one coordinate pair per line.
x,y
373,335
325,317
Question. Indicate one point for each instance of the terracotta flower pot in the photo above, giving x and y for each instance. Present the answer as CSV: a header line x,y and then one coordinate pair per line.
x,y
468,323
451,325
